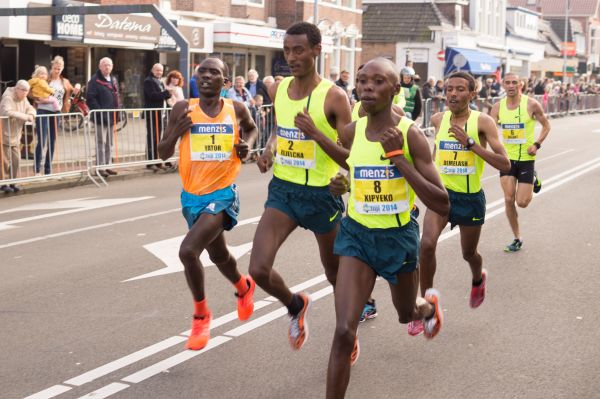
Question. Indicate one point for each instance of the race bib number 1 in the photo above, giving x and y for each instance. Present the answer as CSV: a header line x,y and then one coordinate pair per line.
x,y
295,149
514,133
211,141
454,159
380,190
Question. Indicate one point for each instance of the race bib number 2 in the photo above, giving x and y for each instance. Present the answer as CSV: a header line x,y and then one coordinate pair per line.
x,y
211,141
454,159
380,190
295,149
513,133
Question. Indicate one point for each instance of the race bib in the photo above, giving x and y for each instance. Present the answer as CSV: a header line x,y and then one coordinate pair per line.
x,y
454,159
380,190
513,133
295,149
211,141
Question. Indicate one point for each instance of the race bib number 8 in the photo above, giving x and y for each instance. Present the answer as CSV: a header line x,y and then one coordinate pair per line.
x,y
514,133
380,190
211,141
454,159
295,149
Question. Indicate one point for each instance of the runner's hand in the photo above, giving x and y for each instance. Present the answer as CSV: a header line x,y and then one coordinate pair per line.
x,y
265,161
459,134
392,139
182,122
532,150
304,122
339,185
242,150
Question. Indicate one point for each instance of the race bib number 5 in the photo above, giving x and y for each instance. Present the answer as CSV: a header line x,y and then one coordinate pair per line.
x,y
514,133
380,190
295,149
454,159
211,141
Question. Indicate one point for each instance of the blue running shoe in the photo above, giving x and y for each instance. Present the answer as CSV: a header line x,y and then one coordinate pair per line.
x,y
514,246
369,311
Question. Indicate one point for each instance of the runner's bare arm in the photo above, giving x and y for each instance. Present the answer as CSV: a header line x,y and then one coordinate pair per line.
x,y
497,158
537,113
495,112
436,119
423,176
337,109
249,131
179,123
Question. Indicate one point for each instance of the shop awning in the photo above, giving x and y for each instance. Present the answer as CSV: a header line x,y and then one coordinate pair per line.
x,y
473,61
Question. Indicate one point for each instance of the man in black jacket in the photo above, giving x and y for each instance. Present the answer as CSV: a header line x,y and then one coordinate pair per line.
x,y
103,94
155,95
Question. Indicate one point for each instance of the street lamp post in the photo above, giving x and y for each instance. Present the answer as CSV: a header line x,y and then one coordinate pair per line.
x,y
564,71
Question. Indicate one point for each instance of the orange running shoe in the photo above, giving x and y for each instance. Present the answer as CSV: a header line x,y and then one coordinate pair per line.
x,y
355,352
245,303
298,332
433,325
200,333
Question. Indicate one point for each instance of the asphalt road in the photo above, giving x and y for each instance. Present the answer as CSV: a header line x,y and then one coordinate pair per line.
x,y
93,302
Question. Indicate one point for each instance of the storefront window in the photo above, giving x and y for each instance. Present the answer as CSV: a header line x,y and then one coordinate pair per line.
x,y
259,65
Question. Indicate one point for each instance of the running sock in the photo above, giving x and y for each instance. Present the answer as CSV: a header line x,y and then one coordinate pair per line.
x,y
477,283
200,309
296,305
241,286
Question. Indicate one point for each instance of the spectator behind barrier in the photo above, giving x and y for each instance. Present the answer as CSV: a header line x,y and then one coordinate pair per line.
x,y
155,94
17,108
103,94
174,84
257,87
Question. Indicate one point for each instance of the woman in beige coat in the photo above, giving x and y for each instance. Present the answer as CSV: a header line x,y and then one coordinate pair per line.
x,y
16,108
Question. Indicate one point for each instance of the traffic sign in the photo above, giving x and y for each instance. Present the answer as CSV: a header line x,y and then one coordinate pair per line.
x,y
441,55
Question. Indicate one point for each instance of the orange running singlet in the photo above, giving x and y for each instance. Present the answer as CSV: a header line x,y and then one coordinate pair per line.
x,y
207,158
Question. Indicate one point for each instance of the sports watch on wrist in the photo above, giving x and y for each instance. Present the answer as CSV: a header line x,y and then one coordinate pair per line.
x,y
470,142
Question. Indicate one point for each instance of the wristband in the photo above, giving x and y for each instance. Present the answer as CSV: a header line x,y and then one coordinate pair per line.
x,y
538,145
391,154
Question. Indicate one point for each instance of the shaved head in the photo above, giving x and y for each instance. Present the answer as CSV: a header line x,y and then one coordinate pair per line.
x,y
387,66
216,61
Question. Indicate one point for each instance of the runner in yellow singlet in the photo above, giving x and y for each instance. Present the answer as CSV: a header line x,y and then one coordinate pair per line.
x,y
210,153
389,162
517,114
310,112
462,136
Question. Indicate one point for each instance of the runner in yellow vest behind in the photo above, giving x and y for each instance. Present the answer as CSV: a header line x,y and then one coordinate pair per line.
x,y
517,115
389,162
462,136
215,134
310,112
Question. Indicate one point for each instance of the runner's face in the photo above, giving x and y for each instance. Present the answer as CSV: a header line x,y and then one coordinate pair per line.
x,y
210,78
458,94
375,87
299,55
512,85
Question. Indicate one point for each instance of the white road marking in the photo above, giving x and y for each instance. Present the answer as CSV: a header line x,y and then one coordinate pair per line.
x,y
173,361
87,228
181,357
50,392
168,252
105,391
125,361
79,205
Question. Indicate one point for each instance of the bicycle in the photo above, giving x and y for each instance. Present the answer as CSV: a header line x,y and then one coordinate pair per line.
x,y
79,105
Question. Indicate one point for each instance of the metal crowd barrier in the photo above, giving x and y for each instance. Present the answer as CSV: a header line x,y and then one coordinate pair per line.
x,y
123,138
59,145
53,146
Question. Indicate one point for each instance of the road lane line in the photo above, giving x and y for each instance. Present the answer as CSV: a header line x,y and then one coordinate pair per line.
x,y
50,392
570,174
537,162
105,391
173,361
124,361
